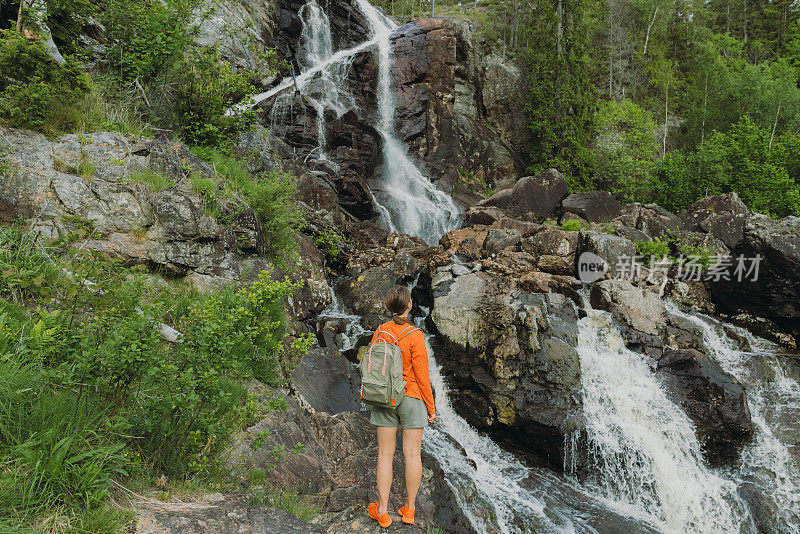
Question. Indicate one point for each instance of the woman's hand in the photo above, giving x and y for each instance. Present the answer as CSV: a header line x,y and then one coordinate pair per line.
x,y
431,419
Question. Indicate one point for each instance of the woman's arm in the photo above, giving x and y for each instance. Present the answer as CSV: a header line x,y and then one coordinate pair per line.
x,y
419,365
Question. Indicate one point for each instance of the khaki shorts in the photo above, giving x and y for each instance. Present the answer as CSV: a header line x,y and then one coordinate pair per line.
x,y
411,413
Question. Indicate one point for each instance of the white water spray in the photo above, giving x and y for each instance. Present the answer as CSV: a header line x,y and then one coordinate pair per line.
x,y
774,402
416,206
643,453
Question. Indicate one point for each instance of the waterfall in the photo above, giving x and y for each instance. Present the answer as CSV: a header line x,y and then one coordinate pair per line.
x,y
774,401
416,206
643,453
406,200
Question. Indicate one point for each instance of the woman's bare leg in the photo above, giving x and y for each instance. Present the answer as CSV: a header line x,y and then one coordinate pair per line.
x,y
387,440
412,451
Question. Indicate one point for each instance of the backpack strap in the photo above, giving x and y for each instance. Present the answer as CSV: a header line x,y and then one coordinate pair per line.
x,y
407,331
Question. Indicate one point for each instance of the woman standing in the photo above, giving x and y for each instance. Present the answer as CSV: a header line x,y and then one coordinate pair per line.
x,y
414,413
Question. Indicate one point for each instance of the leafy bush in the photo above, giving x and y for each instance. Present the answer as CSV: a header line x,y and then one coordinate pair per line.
x,y
572,225
329,242
207,88
655,247
35,91
90,391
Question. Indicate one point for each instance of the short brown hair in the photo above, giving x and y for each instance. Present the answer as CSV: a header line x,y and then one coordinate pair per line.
x,y
397,299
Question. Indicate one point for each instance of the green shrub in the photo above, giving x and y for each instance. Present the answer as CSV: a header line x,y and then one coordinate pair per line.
x,y
89,391
35,91
656,247
329,242
270,194
572,225
206,89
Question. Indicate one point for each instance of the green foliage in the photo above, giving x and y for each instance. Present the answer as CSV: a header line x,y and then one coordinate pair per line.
x,y
271,195
88,389
205,91
562,98
35,91
747,159
624,149
656,247
572,225
155,181
329,242
147,38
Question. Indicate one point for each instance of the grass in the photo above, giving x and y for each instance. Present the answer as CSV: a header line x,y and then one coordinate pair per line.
x,y
289,499
154,181
271,195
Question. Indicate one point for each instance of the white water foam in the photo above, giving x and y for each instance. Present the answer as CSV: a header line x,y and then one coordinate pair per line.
x,y
774,402
416,206
643,453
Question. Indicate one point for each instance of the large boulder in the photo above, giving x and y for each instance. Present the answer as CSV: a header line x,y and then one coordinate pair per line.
x,y
649,221
617,252
722,216
327,457
534,196
593,206
366,294
775,295
640,313
511,356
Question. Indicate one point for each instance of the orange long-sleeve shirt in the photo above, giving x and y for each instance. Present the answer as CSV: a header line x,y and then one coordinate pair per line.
x,y
415,360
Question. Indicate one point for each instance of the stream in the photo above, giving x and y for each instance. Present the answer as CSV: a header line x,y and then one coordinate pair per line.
x,y
646,469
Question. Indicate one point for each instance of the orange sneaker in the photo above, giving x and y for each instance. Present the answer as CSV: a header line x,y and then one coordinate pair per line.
x,y
383,520
406,515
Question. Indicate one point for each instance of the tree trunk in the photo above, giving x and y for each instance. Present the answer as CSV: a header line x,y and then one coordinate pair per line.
x,y
650,27
666,122
560,28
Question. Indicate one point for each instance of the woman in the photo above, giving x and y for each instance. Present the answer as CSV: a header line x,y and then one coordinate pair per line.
x,y
414,413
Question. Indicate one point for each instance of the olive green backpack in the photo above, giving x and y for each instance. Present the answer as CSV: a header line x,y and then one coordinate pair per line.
x,y
381,369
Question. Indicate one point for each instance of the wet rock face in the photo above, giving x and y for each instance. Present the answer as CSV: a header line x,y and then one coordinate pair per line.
x,y
433,66
513,361
776,293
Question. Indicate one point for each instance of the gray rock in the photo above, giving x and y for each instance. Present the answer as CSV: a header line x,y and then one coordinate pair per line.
x,y
406,266
640,312
327,382
366,294
500,239
615,250
551,241
536,196
227,514
593,206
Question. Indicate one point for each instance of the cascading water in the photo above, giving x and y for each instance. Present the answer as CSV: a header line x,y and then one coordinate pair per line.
x,y
406,200
415,205
643,453
773,397
643,457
